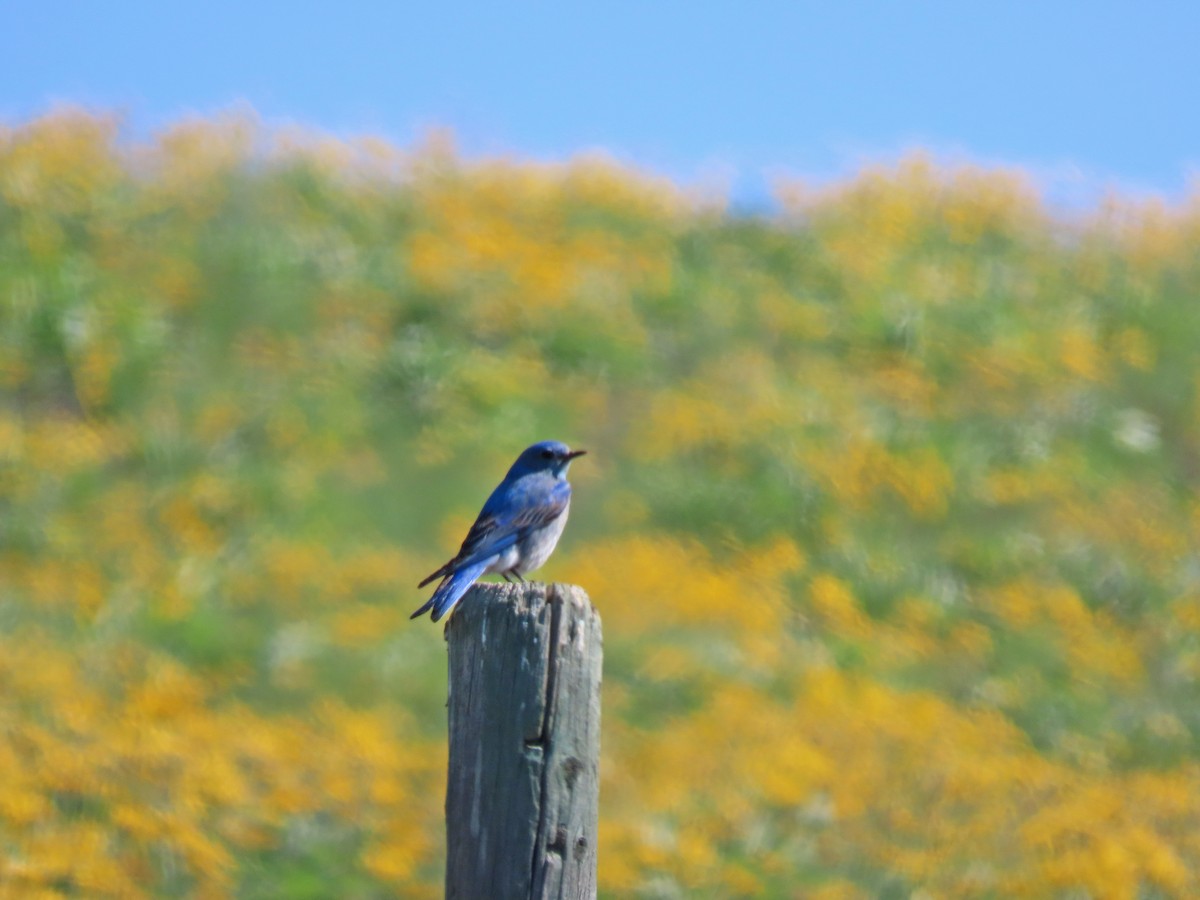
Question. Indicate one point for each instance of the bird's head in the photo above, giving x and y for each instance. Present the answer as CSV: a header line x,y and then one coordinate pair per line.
x,y
548,456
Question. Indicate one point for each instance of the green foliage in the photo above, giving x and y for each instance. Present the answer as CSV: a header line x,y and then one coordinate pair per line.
x,y
890,511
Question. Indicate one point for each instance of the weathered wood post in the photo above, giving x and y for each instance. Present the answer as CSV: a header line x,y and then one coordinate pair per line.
x,y
522,800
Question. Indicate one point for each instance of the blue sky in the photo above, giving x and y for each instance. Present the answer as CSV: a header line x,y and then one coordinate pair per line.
x,y
1084,95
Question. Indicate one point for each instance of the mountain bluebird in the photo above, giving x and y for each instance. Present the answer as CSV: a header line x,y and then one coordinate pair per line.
x,y
517,528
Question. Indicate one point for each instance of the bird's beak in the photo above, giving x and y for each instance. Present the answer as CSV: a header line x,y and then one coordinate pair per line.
x,y
575,453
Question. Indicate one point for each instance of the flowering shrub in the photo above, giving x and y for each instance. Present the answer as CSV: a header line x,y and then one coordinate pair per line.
x,y
891,515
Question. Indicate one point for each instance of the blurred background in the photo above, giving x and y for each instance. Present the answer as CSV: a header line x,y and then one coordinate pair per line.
x,y
881,329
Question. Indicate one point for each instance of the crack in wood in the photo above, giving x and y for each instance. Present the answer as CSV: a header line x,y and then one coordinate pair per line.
x,y
554,607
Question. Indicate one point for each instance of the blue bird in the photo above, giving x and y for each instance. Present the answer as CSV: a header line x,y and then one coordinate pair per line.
x,y
517,528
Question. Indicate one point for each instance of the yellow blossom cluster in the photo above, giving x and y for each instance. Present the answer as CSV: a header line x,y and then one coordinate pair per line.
x,y
127,773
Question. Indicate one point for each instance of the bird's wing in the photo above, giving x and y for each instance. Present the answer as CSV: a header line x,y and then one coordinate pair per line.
x,y
525,510
507,517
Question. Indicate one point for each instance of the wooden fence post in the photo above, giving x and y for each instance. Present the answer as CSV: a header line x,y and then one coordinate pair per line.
x,y
522,799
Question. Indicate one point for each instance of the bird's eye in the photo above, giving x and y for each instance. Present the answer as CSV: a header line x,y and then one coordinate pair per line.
x,y
547,454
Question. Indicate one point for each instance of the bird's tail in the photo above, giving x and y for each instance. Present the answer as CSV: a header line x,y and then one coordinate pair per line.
x,y
450,591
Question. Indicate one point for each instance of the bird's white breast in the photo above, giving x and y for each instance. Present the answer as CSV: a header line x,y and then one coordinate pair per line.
x,y
504,561
536,548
